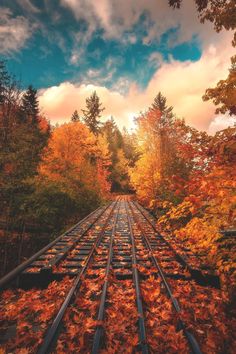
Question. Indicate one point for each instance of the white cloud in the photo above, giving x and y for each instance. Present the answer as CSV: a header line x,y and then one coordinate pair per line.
x,y
221,122
92,73
59,102
156,59
118,17
14,31
122,85
183,83
74,58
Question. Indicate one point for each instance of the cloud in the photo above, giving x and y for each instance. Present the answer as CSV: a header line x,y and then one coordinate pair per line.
x,y
183,83
14,31
28,6
74,57
156,59
122,85
137,21
119,17
54,101
221,122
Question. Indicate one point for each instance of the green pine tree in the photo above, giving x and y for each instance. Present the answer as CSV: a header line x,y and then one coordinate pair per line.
x,y
4,81
75,116
167,114
92,113
30,105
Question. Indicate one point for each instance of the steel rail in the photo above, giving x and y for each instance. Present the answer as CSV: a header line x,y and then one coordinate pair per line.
x,y
99,329
58,260
20,268
141,321
180,258
53,330
196,273
194,346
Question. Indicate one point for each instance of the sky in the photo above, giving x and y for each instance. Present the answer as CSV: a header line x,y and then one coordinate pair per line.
x,y
125,50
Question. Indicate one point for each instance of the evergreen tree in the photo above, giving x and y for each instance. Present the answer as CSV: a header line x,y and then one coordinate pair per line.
x,y
160,105
4,81
30,105
9,98
75,116
23,136
92,113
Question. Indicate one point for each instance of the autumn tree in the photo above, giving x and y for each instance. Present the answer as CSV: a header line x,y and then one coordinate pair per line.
x,y
224,94
130,147
223,15
220,12
123,155
75,117
191,189
169,153
78,162
92,113
145,175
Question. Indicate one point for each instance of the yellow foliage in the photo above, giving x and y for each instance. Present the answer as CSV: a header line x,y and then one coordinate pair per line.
x,y
76,158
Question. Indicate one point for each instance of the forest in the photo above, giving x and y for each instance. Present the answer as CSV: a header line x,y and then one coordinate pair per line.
x,y
145,261
52,176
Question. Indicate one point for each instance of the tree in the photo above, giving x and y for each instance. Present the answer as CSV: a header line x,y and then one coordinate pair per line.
x,y
224,94
122,154
159,105
9,101
75,116
77,160
221,13
92,113
24,134
30,104
130,147
4,81
169,153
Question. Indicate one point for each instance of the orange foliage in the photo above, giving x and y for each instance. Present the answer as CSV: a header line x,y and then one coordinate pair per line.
x,y
77,159
44,125
188,179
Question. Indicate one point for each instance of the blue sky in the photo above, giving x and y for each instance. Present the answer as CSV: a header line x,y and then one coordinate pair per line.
x,y
45,58
116,46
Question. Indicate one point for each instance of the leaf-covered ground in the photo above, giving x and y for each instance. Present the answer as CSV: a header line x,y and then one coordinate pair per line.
x,y
25,316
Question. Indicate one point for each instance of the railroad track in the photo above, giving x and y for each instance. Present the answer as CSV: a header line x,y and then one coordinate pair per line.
x,y
118,297
200,272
